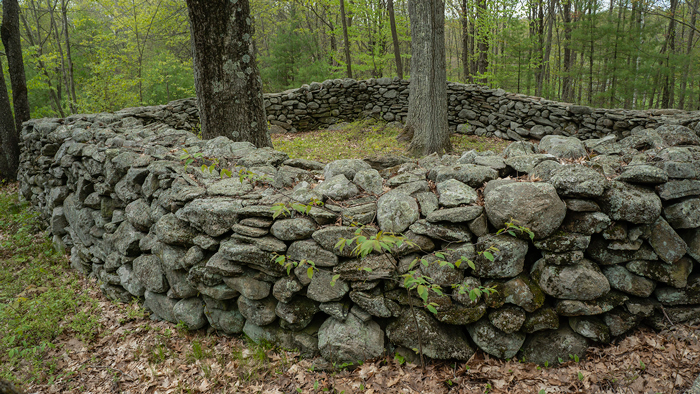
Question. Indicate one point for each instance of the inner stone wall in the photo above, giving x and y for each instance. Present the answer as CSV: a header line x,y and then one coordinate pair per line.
x,y
616,237
472,109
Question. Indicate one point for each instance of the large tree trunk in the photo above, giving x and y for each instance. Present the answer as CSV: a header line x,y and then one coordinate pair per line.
x,y
688,67
427,103
482,62
464,18
567,88
227,80
7,130
9,31
395,38
346,38
670,77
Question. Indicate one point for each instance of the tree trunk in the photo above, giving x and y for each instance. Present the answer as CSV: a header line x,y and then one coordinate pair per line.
x,y
395,38
567,88
348,59
669,78
483,41
13,48
71,78
7,131
465,40
9,31
427,104
688,67
227,80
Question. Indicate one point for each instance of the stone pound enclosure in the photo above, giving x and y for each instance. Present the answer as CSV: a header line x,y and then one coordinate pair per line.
x,y
616,227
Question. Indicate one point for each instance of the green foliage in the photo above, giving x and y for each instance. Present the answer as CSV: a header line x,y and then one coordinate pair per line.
x,y
39,300
284,209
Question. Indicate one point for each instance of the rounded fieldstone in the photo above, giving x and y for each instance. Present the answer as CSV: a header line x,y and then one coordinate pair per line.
x,y
396,211
191,312
293,229
259,312
552,345
351,340
582,281
494,341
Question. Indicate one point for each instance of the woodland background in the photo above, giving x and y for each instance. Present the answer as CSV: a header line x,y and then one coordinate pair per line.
x,y
86,56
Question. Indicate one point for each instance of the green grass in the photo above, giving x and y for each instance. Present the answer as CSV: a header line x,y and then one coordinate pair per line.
x,y
40,298
363,139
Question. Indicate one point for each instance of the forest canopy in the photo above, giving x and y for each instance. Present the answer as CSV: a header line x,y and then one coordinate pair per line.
x,y
84,56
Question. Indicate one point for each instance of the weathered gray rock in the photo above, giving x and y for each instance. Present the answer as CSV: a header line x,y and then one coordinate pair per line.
x,y
137,213
667,244
328,237
191,312
214,216
562,147
630,203
583,281
287,176
472,175
312,251
337,188
494,341
675,274
293,229
644,174
619,321
551,345
455,215
351,340
285,288
161,306
685,296
347,167
578,205
591,328
508,261
586,223
250,288
541,319
320,289
508,319
579,181
229,322
369,180
439,341
396,212
304,341
375,305
684,214
533,205
674,189
692,239
296,314
149,273
444,231
454,193
521,291
258,312
527,164
622,279
597,306
171,230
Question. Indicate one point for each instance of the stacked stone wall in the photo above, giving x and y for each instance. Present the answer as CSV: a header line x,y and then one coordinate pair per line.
x,y
472,109
615,223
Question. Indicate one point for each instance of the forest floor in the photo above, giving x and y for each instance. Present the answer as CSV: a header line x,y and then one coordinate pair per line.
x,y
59,334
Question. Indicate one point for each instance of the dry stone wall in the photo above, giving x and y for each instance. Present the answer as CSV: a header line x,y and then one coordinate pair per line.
x,y
616,237
472,109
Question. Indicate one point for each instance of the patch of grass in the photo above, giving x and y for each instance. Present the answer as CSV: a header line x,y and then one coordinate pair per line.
x,y
363,139
40,298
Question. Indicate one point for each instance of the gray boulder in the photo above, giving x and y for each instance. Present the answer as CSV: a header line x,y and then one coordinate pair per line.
x,y
583,281
296,314
591,328
149,273
494,341
454,193
684,214
214,216
310,250
533,205
250,288
622,279
258,312
562,147
396,212
321,290
578,181
439,341
552,345
347,167
351,340
369,180
161,306
667,244
293,229
508,261
337,188
630,203
171,230
191,312
675,274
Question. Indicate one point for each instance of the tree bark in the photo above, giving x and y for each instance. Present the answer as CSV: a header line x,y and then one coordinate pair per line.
x,y
9,32
348,59
670,77
427,103
7,130
483,41
464,18
395,38
227,80
688,67
567,88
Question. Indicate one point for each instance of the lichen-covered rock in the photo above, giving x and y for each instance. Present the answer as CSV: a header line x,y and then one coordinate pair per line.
x,y
578,181
249,287
322,290
508,319
455,215
562,147
644,174
304,341
328,237
494,341
667,244
171,230
351,340
296,314
597,306
396,212
293,229
439,341
583,281
454,193
685,296
161,306
191,312
444,231
675,274
564,242
621,279
149,273
507,262
258,312
591,328
550,346
347,167
635,204
533,205
541,319
214,216
685,214
337,188
369,180
472,175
